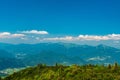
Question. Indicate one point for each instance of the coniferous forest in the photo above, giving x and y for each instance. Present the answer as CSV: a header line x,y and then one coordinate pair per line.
x,y
73,72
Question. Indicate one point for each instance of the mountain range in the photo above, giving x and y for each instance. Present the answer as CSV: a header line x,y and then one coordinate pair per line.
x,y
21,55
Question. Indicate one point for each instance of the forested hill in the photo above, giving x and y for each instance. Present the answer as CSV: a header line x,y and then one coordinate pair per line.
x,y
74,72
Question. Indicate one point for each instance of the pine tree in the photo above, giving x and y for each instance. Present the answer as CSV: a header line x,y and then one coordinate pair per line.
x,y
116,65
0,78
109,66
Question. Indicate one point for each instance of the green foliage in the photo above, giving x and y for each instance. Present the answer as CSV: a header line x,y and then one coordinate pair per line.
x,y
0,78
74,72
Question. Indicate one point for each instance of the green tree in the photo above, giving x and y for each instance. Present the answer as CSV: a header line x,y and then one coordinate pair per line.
x,y
109,66
0,78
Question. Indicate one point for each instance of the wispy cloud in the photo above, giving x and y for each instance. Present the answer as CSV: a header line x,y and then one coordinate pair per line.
x,y
98,58
68,38
10,35
30,37
92,37
35,32
86,37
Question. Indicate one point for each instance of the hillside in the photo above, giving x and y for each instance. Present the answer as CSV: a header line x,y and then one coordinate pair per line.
x,y
74,72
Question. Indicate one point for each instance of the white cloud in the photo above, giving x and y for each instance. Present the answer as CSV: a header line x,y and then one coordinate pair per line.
x,y
35,32
68,38
24,38
114,36
5,34
9,35
92,37
98,58
39,38
86,37
17,35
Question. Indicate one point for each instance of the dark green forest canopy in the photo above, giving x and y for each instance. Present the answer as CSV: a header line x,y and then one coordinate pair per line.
x,y
74,72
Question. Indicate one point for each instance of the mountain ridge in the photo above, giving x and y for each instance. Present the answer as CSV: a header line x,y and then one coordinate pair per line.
x,y
64,53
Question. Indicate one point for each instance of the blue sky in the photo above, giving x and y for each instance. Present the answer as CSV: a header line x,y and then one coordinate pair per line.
x,y
60,17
